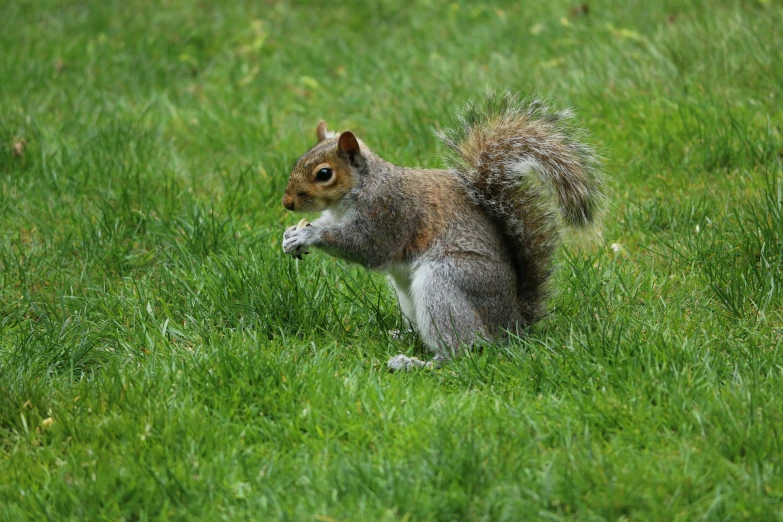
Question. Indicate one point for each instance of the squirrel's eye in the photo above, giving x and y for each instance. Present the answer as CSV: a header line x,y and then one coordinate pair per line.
x,y
324,174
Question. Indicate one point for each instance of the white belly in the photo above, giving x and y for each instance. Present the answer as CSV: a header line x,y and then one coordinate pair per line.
x,y
400,277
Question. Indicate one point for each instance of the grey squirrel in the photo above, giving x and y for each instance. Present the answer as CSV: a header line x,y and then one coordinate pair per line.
x,y
469,249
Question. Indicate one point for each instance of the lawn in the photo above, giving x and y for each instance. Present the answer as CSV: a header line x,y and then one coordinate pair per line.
x,y
162,359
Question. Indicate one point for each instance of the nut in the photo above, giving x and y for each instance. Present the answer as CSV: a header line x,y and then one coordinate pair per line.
x,y
299,226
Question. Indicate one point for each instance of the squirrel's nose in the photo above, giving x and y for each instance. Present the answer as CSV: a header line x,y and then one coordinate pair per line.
x,y
288,202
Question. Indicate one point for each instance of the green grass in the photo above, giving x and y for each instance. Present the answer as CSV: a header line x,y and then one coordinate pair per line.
x,y
160,358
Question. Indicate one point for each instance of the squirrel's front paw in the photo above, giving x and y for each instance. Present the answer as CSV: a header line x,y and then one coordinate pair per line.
x,y
295,242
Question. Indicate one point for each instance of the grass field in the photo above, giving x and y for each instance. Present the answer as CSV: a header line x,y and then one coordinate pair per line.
x,y
160,358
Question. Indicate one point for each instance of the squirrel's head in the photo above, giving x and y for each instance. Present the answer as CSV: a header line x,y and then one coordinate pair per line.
x,y
325,173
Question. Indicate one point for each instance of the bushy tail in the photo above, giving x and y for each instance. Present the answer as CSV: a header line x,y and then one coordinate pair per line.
x,y
524,163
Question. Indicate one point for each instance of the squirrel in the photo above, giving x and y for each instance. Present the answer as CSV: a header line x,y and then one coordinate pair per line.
x,y
468,249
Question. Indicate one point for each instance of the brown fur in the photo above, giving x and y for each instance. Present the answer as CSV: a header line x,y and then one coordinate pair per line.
x,y
436,192
309,195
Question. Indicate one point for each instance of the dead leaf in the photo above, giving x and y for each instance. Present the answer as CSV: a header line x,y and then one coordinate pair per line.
x,y
580,10
19,146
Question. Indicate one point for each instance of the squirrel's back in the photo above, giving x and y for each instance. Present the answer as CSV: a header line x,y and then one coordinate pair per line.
x,y
527,166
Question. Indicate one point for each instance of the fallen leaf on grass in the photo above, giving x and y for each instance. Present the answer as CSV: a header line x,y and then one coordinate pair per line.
x,y
580,10
309,82
19,146
554,62
621,32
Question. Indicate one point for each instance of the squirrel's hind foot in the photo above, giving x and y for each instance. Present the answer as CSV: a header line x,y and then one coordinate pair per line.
x,y
403,363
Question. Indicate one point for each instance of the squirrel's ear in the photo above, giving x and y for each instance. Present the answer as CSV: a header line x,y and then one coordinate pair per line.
x,y
320,131
348,143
